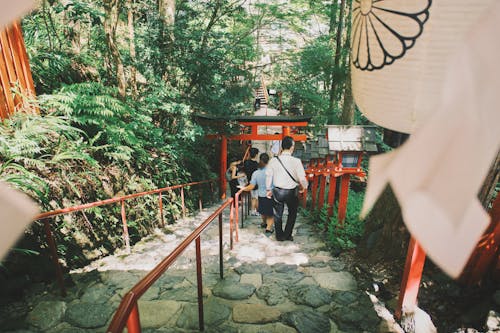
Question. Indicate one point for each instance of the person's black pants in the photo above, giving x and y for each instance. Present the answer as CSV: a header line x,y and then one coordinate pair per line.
x,y
282,197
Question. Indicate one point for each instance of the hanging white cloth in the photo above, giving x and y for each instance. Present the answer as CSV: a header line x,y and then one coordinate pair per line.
x,y
438,172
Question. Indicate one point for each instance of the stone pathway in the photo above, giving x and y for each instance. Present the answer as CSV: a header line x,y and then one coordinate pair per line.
x,y
269,286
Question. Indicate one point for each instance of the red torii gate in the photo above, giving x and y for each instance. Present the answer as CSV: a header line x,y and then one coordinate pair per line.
x,y
249,131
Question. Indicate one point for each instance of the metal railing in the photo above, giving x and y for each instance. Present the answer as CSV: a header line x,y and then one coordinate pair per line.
x,y
127,313
245,209
126,239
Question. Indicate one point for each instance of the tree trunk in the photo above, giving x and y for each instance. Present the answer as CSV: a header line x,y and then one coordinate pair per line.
x,y
112,10
166,9
133,57
348,108
338,54
487,192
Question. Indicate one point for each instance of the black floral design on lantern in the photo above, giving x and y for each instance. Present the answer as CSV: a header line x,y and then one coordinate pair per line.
x,y
383,30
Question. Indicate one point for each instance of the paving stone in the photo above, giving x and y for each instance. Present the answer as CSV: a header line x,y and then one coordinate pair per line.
x,y
357,315
308,281
272,293
99,293
232,290
255,314
269,328
289,278
310,295
120,279
345,297
88,315
184,294
167,282
336,281
283,268
155,314
151,294
46,314
249,268
307,321
253,279
215,313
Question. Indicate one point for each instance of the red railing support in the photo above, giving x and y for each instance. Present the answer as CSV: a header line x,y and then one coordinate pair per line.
x,y
221,249
133,321
183,204
126,237
344,195
331,194
160,202
200,200
414,266
199,278
322,189
55,257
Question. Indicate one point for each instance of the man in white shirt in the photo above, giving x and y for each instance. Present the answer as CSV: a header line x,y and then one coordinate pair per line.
x,y
288,176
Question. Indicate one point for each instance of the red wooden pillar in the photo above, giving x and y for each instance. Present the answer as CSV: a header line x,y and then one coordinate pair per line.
x,y
414,266
344,194
286,131
223,167
331,193
322,189
314,190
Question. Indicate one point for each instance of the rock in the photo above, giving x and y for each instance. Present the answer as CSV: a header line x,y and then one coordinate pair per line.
x,y
255,314
253,279
269,328
493,322
289,278
272,293
151,293
253,268
354,311
283,268
307,281
121,279
496,297
307,321
98,293
309,295
46,314
233,291
336,281
185,294
215,313
88,315
168,282
155,314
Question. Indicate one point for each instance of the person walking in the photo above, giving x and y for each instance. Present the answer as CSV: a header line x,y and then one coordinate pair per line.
x,y
286,173
258,184
250,166
233,176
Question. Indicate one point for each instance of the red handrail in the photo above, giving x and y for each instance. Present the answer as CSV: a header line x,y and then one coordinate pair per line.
x,y
127,313
50,237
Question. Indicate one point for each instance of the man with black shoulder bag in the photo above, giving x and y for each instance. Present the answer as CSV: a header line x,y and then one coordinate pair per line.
x,y
288,176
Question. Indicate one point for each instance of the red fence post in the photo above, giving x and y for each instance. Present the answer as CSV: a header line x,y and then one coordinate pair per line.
x,y
314,192
126,237
133,321
414,266
331,194
200,200
223,167
322,189
231,221
221,249
183,204
200,284
55,258
160,202
344,195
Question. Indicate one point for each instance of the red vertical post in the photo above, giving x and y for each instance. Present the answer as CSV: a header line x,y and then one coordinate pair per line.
x,y
322,189
221,249
286,131
183,204
231,221
314,191
200,284
133,321
160,203
223,167
126,237
344,195
55,258
331,194
414,266
201,200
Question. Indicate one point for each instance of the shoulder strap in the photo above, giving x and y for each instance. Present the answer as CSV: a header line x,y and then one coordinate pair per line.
x,y
288,172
